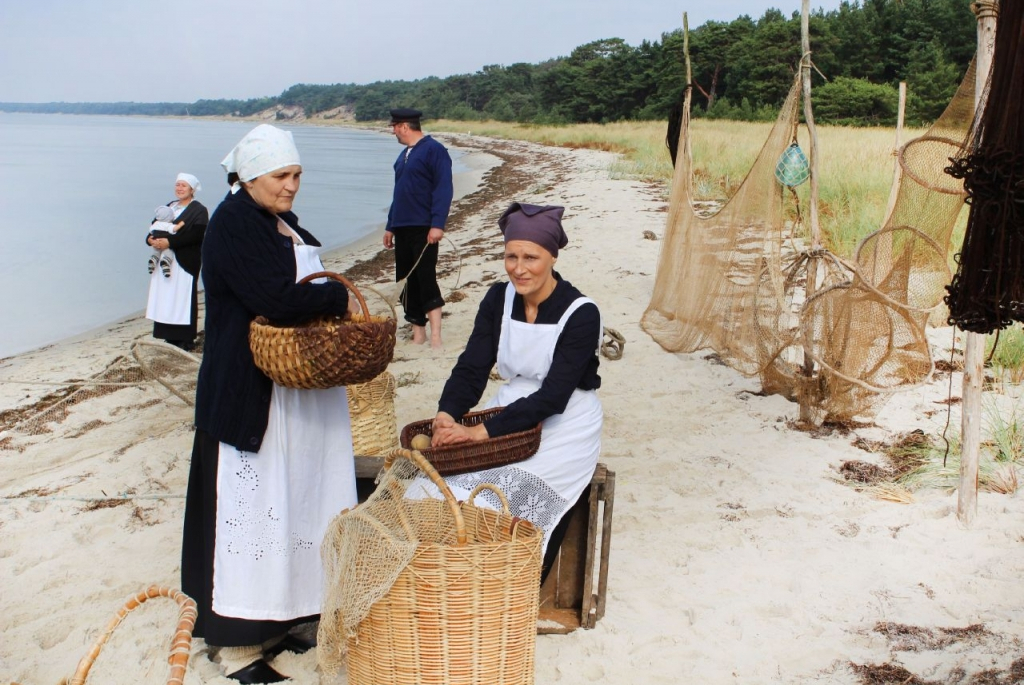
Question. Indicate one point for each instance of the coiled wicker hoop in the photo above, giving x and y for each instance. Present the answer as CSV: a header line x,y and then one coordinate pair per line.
x,y
464,610
326,352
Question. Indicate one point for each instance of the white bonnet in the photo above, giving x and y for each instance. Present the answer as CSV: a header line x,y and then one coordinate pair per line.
x,y
191,180
264,149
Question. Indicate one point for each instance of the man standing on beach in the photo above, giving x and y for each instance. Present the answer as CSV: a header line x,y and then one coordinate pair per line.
x,y
416,221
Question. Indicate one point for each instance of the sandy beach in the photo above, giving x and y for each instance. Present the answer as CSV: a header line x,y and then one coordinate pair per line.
x,y
737,554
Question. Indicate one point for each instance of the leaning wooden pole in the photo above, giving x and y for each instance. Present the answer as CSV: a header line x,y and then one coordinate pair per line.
x,y
986,12
687,101
806,403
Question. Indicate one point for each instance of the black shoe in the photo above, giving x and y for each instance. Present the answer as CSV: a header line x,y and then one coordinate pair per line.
x,y
291,643
258,671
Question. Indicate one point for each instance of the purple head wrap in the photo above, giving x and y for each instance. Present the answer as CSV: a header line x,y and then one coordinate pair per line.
x,y
540,225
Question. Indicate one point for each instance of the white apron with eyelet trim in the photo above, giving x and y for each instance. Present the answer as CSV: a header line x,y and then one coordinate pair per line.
x,y
273,507
170,297
540,489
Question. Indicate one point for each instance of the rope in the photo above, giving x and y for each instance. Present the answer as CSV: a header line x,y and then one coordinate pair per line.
x,y
613,347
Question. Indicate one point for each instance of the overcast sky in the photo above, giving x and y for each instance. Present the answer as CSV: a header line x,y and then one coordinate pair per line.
x,y
186,50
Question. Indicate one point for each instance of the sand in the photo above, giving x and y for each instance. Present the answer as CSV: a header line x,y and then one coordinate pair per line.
x,y
737,555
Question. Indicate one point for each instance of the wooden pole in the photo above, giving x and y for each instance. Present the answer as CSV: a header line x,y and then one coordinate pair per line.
x,y
806,413
687,101
986,12
897,170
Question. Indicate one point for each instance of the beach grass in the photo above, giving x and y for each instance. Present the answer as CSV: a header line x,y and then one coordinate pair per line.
x,y
855,165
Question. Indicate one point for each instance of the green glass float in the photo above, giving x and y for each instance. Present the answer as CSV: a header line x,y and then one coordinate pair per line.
x,y
792,168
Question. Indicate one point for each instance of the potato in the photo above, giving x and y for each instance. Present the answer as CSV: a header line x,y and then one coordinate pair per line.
x,y
420,441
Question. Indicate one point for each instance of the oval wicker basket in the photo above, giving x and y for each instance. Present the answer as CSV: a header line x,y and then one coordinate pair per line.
x,y
327,351
475,456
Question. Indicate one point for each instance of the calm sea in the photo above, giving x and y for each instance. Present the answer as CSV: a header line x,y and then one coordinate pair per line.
x,y
77,194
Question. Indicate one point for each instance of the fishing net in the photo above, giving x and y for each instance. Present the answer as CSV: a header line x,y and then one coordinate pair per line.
x,y
838,334
65,413
987,292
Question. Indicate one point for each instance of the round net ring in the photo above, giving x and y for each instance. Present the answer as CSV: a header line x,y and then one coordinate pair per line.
x,y
866,341
904,267
917,160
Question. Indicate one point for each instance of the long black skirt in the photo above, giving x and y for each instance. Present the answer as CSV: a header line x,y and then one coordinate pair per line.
x,y
198,543
181,335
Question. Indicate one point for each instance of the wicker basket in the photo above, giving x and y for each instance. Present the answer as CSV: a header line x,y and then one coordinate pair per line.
x,y
475,456
372,408
326,352
464,611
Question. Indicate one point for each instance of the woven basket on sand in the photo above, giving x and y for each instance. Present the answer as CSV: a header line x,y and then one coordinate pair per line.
x,y
372,408
326,352
464,609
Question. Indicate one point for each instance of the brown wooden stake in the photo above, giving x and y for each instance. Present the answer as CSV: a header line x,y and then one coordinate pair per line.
x,y
807,403
986,12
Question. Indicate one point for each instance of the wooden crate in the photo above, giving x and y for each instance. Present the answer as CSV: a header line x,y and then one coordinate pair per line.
x,y
574,593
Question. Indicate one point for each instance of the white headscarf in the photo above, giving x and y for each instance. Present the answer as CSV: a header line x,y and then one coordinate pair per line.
x,y
262,150
191,180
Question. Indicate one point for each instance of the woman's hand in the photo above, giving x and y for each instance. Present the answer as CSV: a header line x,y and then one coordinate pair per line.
x,y
448,431
160,243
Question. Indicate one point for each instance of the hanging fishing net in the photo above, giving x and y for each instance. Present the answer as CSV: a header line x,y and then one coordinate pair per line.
x,y
987,292
836,333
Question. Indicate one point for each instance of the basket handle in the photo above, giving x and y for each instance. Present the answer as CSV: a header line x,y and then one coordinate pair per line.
x,y
417,458
496,490
180,643
348,284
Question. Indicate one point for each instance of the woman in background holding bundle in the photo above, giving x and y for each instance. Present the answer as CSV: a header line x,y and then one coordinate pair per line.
x,y
271,466
173,304
544,336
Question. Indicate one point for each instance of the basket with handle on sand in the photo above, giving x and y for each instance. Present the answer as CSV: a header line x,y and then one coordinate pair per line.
x,y
461,609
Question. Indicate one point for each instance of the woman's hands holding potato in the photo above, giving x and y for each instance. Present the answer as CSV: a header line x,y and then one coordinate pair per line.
x,y
448,431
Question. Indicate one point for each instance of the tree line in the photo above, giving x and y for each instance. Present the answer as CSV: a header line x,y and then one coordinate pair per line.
x,y
742,69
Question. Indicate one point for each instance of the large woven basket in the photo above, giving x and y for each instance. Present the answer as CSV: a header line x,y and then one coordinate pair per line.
x,y
464,610
372,408
475,456
326,352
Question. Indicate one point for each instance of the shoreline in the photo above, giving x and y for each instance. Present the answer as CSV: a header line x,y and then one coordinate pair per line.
x,y
737,554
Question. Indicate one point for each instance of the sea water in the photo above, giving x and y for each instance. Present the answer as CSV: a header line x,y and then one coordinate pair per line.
x,y
77,194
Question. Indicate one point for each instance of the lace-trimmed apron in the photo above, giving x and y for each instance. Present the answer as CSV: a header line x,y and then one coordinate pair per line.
x,y
274,506
542,488
170,297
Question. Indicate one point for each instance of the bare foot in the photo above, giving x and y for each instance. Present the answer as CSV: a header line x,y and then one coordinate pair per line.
x,y
436,344
419,335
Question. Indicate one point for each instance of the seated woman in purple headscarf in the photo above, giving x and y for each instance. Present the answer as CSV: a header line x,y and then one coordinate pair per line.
x,y
544,336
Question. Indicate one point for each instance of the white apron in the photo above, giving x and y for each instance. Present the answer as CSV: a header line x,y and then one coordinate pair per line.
x,y
170,297
542,488
273,507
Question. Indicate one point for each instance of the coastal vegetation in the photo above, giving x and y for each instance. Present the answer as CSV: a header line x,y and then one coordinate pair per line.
x,y
855,163
741,71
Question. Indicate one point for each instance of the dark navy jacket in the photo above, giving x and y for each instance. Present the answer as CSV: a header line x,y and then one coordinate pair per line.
x,y
249,270
423,186
573,366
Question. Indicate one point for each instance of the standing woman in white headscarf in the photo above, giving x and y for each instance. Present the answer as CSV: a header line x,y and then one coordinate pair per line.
x,y
271,466
173,305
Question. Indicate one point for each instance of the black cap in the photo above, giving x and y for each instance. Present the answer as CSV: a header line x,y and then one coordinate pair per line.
x,y
403,114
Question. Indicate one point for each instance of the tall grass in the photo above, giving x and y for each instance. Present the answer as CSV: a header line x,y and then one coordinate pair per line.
x,y
1005,353
855,165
